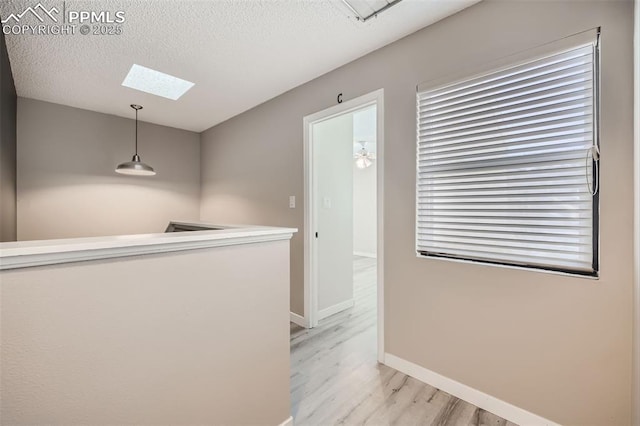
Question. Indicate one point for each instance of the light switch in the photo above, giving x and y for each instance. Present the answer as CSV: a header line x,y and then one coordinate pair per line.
x,y
326,202
292,201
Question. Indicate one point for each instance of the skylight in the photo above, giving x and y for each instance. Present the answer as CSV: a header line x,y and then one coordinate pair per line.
x,y
367,9
156,82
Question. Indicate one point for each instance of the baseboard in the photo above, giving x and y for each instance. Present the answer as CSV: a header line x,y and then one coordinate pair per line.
x,y
289,421
480,399
364,254
298,319
327,312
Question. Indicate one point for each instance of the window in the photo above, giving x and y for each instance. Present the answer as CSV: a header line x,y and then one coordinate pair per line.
x,y
506,172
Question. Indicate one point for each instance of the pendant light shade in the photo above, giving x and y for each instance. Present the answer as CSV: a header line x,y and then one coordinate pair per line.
x,y
135,166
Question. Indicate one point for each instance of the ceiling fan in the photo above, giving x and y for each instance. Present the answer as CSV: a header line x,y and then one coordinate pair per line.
x,y
363,157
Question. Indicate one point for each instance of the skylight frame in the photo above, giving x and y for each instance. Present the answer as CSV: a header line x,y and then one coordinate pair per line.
x,y
374,14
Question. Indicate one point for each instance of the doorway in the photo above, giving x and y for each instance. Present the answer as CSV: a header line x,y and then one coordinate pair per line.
x,y
343,209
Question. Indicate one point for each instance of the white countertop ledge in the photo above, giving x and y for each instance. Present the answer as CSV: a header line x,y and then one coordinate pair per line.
x,y
25,254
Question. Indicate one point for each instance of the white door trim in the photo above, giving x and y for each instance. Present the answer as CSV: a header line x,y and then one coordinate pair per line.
x,y
310,286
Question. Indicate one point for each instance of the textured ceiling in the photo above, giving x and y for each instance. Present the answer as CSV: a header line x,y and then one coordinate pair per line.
x,y
239,53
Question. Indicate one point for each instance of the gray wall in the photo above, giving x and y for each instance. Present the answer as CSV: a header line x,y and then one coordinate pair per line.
x,y
555,345
67,186
131,341
7,147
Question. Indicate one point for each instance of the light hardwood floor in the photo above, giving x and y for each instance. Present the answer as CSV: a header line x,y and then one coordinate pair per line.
x,y
336,379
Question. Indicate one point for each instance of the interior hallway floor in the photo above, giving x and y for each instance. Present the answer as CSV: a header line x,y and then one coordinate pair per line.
x,y
336,379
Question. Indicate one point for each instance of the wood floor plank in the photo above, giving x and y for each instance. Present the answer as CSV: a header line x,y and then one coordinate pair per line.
x,y
485,418
336,379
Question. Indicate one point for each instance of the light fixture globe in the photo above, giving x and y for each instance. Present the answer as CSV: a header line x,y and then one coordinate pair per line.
x,y
135,167
363,157
363,162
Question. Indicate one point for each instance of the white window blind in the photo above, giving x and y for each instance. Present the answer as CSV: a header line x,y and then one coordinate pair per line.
x,y
504,171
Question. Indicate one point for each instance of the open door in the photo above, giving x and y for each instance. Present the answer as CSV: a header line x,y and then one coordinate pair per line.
x,y
333,213
332,147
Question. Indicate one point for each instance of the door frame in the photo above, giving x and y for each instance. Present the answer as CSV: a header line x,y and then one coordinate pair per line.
x,y
310,251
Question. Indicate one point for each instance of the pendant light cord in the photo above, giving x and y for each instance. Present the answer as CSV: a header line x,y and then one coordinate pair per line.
x,y
136,132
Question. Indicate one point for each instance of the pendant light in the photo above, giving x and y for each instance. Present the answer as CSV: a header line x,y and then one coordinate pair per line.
x,y
135,166
363,157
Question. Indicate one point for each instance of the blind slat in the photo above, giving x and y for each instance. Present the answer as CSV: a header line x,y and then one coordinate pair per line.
x,y
583,240
555,97
510,72
534,114
511,229
545,94
582,136
544,153
516,90
582,223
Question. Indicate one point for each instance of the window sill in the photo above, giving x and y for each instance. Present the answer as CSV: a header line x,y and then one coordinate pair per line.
x,y
517,267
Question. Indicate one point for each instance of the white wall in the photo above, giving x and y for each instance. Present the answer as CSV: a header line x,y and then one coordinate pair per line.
x,y
364,186
67,186
364,211
333,177
132,341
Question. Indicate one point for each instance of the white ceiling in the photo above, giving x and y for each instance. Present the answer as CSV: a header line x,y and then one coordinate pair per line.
x,y
239,53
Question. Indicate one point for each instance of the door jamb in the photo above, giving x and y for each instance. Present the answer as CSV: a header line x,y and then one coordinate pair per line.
x,y
310,285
